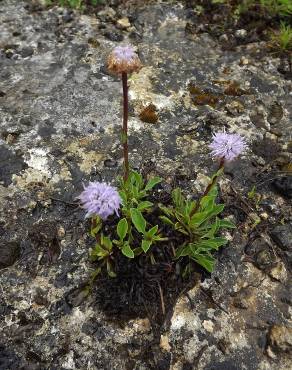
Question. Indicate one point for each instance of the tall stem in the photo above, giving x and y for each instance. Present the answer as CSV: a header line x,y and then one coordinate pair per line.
x,y
125,125
208,188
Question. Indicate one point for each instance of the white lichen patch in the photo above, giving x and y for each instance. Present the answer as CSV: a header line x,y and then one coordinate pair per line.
x,y
37,159
141,90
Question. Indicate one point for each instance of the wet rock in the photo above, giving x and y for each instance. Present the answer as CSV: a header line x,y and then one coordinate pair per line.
x,y
9,252
10,164
275,113
9,359
26,52
266,148
235,108
110,163
283,185
282,235
68,16
258,118
77,296
114,36
265,259
279,272
280,338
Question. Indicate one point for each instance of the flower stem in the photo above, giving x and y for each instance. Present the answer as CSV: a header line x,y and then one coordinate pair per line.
x,y
125,125
208,188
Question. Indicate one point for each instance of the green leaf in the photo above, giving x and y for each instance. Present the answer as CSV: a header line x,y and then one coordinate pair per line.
x,y
166,220
152,231
207,202
207,261
152,182
110,269
168,211
123,196
226,224
207,245
144,205
122,228
106,242
146,244
177,198
182,251
198,218
127,251
98,225
190,205
138,220
98,253
138,179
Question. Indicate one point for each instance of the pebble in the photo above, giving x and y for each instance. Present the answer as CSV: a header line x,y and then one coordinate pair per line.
x,y
123,23
241,34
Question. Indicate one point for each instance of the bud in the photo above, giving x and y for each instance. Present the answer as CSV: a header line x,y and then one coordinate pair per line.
x,y
123,59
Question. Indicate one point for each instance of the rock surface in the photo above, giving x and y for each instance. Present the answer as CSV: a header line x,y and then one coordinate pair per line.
x,y
59,127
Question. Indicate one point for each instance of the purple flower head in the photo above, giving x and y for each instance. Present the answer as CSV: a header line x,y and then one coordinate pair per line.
x,y
124,53
227,146
101,199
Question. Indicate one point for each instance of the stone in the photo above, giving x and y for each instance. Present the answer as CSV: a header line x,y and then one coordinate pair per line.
x,y
114,36
279,272
9,253
280,338
283,186
282,235
123,23
164,343
26,52
275,114
241,34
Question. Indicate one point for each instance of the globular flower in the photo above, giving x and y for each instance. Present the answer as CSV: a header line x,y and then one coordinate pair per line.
x,y
123,59
227,146
101,199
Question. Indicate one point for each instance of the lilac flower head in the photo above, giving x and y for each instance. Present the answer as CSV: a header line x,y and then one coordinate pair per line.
x,y
124,53
227,146
123,59
101,199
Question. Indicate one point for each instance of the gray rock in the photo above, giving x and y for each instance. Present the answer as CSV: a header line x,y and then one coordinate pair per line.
x,y
282,235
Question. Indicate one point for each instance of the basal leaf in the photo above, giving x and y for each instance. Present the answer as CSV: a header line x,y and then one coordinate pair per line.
x,y
226,224
106,242
177,198
144,205
127,251
152,182
146,244
207,261
166,220
152,232
122,228
138,220
181,251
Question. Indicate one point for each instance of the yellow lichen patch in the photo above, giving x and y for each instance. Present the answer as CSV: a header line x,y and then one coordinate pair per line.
x,y
234,89
148,114
187,144
141,90
88,159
